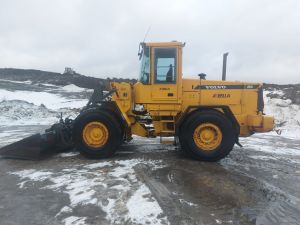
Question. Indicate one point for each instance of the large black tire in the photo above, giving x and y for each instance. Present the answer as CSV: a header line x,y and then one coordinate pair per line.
x,y
114,129
188,142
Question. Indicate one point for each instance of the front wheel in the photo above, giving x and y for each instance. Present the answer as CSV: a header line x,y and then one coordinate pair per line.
x,y
97,134
207,136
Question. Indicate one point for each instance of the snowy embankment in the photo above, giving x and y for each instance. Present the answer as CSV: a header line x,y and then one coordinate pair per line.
x,y
19,112
50,100
25,107
287,115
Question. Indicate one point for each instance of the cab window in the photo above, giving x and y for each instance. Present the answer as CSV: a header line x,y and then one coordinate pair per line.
x,y
165,65
145,66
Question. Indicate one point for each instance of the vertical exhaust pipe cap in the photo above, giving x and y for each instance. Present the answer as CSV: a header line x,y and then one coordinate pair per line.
x,y
224,65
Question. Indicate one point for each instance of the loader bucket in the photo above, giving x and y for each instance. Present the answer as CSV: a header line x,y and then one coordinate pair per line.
x,y
55,139
34,147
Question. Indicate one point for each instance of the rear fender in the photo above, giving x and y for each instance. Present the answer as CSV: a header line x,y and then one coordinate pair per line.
x,y
218,108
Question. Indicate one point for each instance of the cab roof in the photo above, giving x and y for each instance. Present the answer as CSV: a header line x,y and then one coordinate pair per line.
x,y
163,44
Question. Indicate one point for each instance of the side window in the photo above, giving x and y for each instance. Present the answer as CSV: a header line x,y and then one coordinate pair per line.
x,y
145,67
165,65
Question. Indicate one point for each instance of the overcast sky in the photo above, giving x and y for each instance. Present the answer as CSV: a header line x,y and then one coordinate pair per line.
x,y
100,38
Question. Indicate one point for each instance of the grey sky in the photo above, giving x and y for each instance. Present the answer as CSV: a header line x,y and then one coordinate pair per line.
x,y
100,38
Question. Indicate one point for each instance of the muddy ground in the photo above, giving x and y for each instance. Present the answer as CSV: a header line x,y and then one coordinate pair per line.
x,y
150,183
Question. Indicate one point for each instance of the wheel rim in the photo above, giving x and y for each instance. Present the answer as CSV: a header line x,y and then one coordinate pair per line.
x,y
207,136
95,134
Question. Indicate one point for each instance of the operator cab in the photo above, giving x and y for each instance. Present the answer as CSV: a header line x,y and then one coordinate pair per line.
x,y
161,69
163,58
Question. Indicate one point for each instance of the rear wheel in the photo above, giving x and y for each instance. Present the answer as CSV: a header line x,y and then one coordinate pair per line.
x,y
207,136
97,134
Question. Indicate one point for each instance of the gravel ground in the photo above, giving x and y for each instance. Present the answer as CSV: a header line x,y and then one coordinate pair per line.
x,y
150,183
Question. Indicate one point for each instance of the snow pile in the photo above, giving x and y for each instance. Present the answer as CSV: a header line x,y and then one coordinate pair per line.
x,y
73,88
266,144
126,199
287,115
18,112
26,107
50,100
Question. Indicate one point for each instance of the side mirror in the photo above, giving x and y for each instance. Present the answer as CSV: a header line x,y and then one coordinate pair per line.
x,y
141,51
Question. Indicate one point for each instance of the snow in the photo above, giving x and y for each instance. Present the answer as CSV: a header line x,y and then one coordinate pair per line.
x,y
18,112
37,108
7,134
81,182
51,101
74,220
65,209
276,150
32,175
73,88
48,85
187,202
262,157
287,115
291,132
77,187
218,221
98,165
263,143
17,82
142,210
68,154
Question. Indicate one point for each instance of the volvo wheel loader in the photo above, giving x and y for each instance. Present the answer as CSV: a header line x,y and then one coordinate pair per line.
x,y
206,117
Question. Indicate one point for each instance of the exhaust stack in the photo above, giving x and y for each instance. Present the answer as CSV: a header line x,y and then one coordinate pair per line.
x,y
224,65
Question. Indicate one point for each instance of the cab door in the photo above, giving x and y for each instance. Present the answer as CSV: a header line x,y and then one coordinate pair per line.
x,y
164,74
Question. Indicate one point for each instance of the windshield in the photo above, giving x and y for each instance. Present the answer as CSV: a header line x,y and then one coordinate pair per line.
x,y
145,67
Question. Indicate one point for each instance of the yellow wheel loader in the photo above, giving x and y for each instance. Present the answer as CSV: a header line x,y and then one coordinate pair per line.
x,y
206,117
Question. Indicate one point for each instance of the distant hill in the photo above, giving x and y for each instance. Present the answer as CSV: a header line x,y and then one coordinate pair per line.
x,y
39,76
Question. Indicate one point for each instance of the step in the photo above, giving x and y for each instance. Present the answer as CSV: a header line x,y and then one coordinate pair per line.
x,y
167,121
167,131
168,142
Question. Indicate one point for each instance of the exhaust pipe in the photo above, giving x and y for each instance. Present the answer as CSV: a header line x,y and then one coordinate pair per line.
x,y
224,65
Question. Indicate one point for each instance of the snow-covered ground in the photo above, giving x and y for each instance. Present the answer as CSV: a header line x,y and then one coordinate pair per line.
x,y
80,183
144,185
36,107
